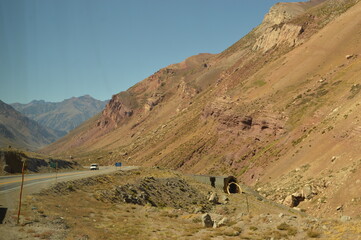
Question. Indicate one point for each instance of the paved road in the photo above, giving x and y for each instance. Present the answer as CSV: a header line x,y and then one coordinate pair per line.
x,y
33,183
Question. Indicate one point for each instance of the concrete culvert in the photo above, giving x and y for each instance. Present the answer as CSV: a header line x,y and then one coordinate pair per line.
x,y
227,184
233,187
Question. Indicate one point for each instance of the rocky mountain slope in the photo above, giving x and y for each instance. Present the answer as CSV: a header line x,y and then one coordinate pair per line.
x,y
19,131
279,109
11,162
62,116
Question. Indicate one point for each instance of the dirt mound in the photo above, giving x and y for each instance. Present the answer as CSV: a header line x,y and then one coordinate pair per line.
x,y
158,192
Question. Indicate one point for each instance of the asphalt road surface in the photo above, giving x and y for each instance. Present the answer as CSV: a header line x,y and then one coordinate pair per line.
x,y
33,183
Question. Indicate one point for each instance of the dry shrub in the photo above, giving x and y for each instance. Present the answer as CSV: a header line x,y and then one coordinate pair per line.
x,y
313,233
44,235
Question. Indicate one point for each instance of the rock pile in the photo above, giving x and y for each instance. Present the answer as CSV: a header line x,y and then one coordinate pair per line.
x,y
163,192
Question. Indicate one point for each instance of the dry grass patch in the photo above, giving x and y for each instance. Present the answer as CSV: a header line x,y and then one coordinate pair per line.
x,y
312,233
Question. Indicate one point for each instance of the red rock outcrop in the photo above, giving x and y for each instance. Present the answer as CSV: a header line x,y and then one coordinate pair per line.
x,y
115,112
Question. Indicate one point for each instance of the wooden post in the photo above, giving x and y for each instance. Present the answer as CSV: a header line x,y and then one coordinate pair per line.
x,y
247,204
21,191
56,171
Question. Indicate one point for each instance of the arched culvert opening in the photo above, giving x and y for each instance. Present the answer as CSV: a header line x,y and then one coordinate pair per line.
x,y
233,187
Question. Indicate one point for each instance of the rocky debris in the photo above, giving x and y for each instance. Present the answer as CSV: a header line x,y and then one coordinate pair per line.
x,y
207,220
71,186
350,56
223,222
214,220
201,209
213,198
345,219
289,201
317,192
224,199
229,221
294,184
293,200
307,192
162,192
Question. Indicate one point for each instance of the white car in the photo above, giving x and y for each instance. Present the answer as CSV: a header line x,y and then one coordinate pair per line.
x,y
94,166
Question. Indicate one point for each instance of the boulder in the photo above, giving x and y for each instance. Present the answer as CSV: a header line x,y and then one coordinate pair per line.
x,y
307,191
207,220
288,201
293,200
224,199
214,199
223,222
339,208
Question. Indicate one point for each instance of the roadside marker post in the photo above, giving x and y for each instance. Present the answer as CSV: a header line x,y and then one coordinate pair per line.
x,y
56,172
55,166
21,191
247,204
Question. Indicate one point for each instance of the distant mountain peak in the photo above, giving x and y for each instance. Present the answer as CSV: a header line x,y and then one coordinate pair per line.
x,y
37,101
19,131
62,116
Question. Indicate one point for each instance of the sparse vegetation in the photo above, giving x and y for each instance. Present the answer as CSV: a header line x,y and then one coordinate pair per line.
x,y
355,89
313,233
283,226
253,228
291,231
70,187
259,83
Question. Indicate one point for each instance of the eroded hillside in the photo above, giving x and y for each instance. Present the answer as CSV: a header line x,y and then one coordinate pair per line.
x,y
283,99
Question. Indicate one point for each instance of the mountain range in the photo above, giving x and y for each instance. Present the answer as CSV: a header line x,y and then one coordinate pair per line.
x,y
38,123
19,131
279,109
62,116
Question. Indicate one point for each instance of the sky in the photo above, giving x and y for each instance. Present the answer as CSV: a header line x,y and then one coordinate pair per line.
x,y
57,49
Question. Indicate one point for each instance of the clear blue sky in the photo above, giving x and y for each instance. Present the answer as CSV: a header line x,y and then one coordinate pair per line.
x,y
57,49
